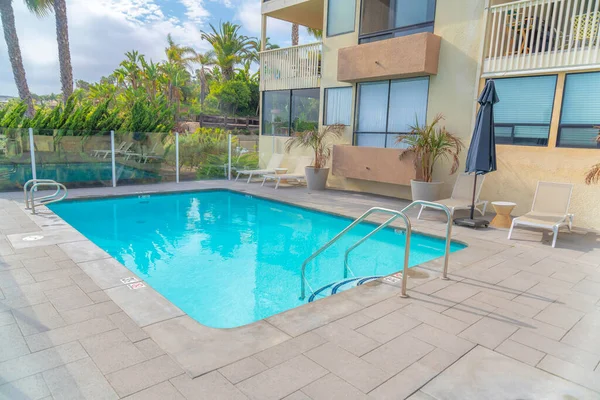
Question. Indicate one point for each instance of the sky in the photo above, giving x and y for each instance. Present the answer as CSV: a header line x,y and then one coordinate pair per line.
x,y
101,31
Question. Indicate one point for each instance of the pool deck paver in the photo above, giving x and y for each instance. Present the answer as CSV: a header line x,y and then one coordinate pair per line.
x,y
517,319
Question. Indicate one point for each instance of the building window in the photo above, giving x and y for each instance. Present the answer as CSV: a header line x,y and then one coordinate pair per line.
x,y
388,108
338,106
289,111
385,19
341,15
580,111
523,115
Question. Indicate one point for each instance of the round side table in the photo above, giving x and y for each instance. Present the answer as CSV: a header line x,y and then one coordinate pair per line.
x,y
503,210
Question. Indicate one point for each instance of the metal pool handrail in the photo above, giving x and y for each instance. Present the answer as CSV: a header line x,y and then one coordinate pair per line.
x,y
49,199
395,214
448,228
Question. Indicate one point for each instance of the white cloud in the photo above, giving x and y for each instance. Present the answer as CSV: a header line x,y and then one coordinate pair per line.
x,y
195,10
100,32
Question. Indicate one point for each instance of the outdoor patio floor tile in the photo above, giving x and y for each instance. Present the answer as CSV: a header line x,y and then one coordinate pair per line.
x,y
12,344
289,349
79,380
283,379
243,369
331,387
347,339
388,327
69,333
144,375
112,351
354,370
398,354
520,352
561,316
39,318
488,332
30,388
162,391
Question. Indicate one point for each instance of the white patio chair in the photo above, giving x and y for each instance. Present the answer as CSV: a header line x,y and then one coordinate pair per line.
x,y
462,195
274,162
299,173
550,209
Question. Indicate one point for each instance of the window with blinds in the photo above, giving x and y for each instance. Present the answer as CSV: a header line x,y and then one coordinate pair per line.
x,y
387,109
580,111
341,15
338,106
523,115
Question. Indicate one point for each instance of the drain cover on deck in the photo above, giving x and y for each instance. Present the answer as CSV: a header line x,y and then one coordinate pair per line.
x,y
32,238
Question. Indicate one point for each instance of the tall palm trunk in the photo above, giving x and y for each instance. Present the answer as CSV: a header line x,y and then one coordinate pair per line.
x,y
295,35
64,54
14,54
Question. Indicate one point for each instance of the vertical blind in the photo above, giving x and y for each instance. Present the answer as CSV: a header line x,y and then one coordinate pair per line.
x,y
340,16
525,109
580,110
338,106
389,108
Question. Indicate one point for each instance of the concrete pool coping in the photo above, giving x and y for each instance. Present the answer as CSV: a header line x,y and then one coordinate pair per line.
x,y
187,340
200,350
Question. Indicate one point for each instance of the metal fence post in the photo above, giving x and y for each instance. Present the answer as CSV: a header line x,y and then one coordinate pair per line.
x,y
32,152
177,157
113,158
229,160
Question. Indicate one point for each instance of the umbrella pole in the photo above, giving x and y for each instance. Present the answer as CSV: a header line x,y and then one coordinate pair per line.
x,y
473,202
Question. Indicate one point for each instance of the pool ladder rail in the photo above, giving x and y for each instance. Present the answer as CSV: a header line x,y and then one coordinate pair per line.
x,y
394,216
31,186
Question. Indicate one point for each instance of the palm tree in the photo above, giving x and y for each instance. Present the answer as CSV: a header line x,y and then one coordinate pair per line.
x,y
256,47
180,55
7,16
64,53
295,34
229,46
150,72
205,60
316,33
593,175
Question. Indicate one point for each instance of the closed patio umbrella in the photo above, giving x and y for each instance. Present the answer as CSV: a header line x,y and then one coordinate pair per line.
x,y
481,157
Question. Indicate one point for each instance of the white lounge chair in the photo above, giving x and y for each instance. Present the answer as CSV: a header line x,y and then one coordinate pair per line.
x,y
550,209
299,173
274,162
462,195
97,153
150,155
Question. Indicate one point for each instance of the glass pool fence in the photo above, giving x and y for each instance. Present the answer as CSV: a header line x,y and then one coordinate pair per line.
x,y
80,159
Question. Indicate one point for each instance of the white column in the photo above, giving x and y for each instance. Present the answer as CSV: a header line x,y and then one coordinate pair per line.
x,y
177,157
229,159
32,152
263,32
113,158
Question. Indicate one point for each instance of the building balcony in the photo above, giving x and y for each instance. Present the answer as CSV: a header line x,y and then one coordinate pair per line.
x,y
303,12
401,57
297,67
534,36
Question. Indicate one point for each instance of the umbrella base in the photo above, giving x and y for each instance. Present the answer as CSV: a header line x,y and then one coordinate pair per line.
x,y
472,223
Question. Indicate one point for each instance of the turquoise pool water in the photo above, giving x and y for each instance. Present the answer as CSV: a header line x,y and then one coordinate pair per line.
x,y
229,259
75,174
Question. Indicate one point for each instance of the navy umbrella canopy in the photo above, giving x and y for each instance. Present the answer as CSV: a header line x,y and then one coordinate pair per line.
x,y
481,157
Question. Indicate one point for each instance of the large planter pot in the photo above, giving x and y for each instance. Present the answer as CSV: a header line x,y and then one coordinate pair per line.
x,y
428,191
316,179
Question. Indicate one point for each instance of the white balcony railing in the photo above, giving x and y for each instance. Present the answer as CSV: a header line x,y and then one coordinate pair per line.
x,y
542,35
291,68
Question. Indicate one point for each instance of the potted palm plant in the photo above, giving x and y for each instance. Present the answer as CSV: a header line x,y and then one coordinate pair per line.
x,y
429,143
319,141
593,175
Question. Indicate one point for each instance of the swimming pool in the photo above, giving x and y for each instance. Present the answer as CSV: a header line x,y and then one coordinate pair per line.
x,y
75,174
229,259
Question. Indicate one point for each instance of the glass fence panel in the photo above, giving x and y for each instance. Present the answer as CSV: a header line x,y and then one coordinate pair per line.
x,y
15,161
245,154
203,155
77,159
144,158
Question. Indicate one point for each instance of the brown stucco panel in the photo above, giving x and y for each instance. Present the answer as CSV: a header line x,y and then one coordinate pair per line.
x,y
373,164
401,57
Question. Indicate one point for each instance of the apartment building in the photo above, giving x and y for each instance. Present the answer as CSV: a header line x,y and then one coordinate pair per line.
x,y
384,64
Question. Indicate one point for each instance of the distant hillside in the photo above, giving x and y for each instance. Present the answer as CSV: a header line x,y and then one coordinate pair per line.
x,y
5,99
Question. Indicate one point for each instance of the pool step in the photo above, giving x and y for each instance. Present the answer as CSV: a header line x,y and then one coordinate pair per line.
x,y
337,287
